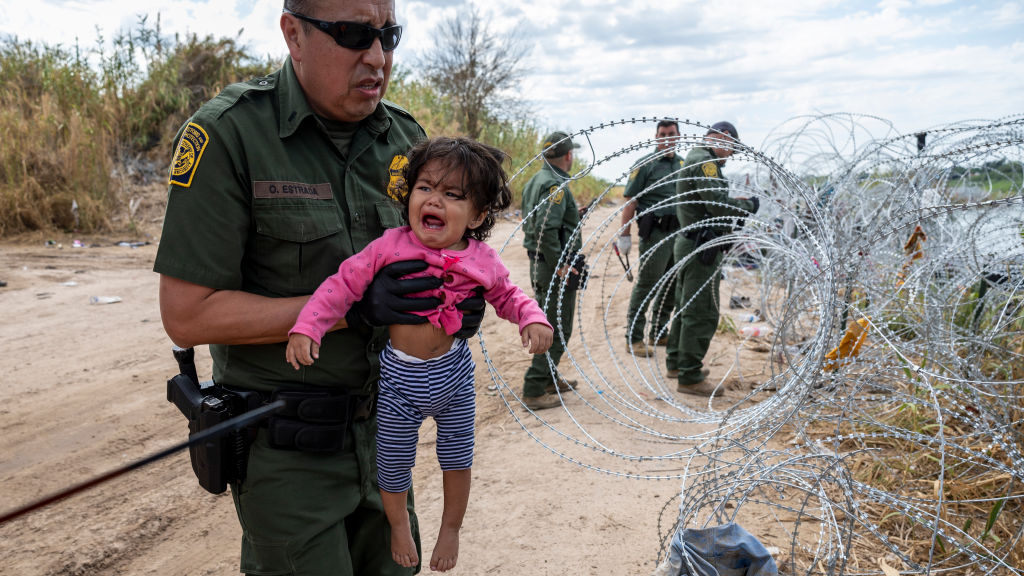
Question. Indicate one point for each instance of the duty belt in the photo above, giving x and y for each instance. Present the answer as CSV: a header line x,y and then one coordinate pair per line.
x,y
667,222
315,420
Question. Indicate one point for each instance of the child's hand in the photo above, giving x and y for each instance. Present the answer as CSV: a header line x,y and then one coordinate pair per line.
x,y
537,337
301,350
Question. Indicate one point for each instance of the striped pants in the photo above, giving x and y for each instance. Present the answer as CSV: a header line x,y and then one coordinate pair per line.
x,y
410,390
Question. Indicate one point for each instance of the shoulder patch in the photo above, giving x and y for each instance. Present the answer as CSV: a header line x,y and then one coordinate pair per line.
x,y
633,174
710,169
397,186
556,194
189,152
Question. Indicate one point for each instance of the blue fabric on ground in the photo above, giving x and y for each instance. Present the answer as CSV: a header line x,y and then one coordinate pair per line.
x,y
726,550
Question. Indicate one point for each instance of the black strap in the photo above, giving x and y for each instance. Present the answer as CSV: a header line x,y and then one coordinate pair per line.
x,y
316,420
288,434
316,406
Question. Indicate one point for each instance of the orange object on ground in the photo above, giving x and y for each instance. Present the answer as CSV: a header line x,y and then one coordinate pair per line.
x,y
914,250
849,345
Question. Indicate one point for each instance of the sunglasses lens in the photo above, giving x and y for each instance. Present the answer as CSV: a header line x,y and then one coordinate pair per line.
x,y
389,37
353,35
360,36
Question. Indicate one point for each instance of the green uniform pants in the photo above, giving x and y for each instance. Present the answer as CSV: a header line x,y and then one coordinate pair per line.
x,y
654,265
695,324
309,514
538,375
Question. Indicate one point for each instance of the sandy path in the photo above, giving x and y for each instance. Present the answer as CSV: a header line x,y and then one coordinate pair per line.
x,y
83,391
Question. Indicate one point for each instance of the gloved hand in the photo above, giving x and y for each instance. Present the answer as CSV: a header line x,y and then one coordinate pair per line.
x,y
472,309
384,302
624,243
756,202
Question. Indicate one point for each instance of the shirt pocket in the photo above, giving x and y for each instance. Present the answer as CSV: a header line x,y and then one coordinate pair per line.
x,y
298,245
389,213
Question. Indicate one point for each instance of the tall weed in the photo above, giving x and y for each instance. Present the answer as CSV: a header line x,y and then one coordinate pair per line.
x,y
69,125
76,121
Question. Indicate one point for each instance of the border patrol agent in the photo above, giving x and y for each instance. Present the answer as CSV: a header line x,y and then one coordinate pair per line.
x,y
652,182
273,183
704,193
547,235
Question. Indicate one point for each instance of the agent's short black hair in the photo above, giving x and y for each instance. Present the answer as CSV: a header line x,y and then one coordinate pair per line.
x,y
666,123
483,176
300,6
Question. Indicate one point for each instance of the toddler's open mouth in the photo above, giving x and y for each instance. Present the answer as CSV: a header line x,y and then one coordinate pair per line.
x,y
432,222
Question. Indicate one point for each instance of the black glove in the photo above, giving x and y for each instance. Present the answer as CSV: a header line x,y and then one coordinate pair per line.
x,y
472,309
756,202
384,302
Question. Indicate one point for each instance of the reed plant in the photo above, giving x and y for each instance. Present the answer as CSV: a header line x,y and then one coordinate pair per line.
x,y
73,118
75,121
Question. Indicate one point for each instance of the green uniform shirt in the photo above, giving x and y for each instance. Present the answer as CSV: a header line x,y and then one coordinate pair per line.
x,y
649,170
261,200
547,231
704,190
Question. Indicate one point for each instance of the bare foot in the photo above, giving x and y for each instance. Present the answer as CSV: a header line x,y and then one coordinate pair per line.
x,y
403,548
446,550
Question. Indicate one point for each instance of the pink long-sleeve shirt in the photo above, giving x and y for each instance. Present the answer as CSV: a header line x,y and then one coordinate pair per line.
x,y
460,270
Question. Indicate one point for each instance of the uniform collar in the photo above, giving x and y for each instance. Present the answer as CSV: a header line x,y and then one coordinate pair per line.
x,y
558,171
295,108
711,153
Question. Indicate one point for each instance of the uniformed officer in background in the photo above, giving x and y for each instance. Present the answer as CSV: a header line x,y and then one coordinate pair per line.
x,y
703,194
651,183
550,217
274,182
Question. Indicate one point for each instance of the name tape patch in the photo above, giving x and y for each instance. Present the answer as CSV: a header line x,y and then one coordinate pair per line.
x,y
189,152
268,189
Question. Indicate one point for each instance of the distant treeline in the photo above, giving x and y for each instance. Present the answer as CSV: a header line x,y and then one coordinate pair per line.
x,y
83,126
997,176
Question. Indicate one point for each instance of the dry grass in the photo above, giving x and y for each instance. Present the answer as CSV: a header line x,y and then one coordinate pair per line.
x,y
69,127
891,452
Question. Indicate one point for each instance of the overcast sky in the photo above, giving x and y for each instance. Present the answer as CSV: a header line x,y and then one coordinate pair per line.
x,y
916,63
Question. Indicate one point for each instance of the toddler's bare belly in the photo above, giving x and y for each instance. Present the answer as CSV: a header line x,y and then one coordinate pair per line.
x,y
423,341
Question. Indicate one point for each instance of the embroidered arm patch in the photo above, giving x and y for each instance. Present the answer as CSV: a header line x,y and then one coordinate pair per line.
x,y
186,157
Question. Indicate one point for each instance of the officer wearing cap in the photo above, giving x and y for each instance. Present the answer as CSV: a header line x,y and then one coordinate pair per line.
x,y
550,217
274,182
651,183
703,194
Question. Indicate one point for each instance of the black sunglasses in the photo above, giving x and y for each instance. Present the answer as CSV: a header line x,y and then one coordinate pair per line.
x,y
354,35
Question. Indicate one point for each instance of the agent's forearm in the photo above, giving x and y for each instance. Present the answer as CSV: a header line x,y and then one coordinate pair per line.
x,y
194,315
628,212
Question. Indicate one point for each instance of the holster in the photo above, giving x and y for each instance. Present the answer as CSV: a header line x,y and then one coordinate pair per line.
x,y
221,460
575,281
702,236
648,222
645,224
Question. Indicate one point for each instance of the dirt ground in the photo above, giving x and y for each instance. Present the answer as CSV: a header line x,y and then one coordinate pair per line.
x,y
83,392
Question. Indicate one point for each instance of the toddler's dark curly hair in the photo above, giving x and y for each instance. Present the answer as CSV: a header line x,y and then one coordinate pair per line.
x,y
483,176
